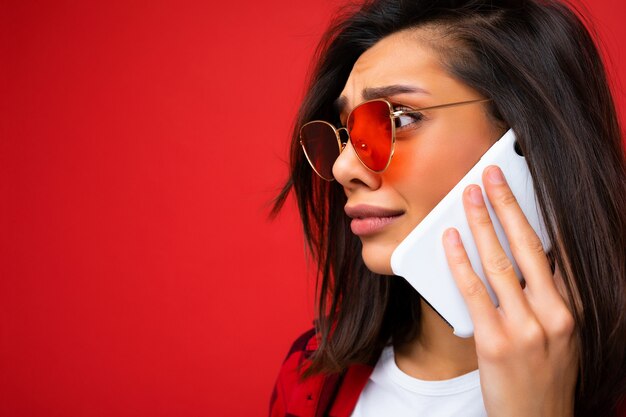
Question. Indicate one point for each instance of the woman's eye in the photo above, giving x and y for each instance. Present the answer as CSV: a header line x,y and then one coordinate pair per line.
x,y
407,120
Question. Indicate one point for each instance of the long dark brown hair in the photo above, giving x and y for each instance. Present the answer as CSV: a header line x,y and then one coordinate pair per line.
x,y
538,63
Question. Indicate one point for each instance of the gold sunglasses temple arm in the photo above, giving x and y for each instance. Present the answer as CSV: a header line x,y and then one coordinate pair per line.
x,y
440,106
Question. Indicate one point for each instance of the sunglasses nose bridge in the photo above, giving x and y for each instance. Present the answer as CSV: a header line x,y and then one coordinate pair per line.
x,y
344,137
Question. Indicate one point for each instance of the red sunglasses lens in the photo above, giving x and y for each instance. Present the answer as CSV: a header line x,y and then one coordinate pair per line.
x,y
321,147
371,135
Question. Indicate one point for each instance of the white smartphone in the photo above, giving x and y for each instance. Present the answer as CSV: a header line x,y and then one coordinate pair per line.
x,y
420,257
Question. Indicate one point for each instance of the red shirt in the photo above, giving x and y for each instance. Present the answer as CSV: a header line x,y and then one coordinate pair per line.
x,y
321,395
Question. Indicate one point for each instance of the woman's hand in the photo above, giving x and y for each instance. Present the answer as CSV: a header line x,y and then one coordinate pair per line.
x,y
527,354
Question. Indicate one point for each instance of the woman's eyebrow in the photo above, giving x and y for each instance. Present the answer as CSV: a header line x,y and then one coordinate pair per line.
x,y
371,93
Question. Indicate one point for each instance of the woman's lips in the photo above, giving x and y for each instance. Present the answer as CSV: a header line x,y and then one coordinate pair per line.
x,y
370,225
367,220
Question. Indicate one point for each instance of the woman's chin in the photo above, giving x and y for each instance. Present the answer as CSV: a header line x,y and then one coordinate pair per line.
x,y
377,258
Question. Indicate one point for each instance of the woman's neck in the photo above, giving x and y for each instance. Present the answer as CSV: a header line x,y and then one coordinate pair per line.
x,y
436,353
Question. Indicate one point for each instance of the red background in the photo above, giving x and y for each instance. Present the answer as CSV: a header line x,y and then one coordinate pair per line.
x,y
140,143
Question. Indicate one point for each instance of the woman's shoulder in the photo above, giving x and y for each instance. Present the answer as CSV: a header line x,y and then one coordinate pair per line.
x,y
298,358
317,394
292,394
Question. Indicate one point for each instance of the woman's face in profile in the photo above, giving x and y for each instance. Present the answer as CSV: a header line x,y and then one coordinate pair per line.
x,y
432,151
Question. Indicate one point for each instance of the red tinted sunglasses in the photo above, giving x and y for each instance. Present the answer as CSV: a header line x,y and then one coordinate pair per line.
x,y
371,129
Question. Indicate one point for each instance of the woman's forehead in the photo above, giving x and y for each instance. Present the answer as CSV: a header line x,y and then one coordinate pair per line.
x,y
400,59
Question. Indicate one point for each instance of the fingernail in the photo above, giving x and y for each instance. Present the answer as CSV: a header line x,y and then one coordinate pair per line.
x,y
452,236
476,196
495,175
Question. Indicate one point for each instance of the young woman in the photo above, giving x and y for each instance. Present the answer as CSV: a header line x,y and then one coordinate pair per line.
x,y
454,76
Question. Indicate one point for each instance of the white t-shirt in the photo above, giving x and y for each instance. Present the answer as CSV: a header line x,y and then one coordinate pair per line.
x,y
391,392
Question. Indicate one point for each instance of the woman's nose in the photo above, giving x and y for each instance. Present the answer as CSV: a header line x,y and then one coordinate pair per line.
x,y
351,173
